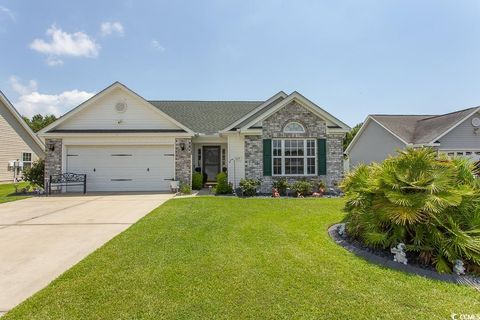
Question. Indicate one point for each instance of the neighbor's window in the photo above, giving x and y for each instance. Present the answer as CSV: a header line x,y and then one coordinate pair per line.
x,y
294,127
294,157
27,160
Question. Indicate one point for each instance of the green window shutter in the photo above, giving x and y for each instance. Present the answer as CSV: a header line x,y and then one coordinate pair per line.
x,y
267,157
322,157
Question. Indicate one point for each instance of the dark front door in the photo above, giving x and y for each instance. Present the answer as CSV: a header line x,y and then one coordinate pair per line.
x,y
211,162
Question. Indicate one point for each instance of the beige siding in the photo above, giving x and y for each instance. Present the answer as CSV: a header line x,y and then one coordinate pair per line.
x,y
374,145
102,115
12,144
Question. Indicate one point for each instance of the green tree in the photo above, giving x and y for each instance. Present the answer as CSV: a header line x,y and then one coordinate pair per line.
x,y
38,122
350,135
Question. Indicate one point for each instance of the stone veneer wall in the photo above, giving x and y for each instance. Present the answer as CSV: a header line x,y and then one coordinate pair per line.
x,y
273,128
53,159
183,161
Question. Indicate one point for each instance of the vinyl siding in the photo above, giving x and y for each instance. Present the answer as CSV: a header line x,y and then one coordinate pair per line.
x,y
462,137
236,150
102,115
374,145
12,144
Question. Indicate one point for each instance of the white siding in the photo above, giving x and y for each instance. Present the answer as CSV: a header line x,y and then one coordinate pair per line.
x,y
12,144
374,145
236,150
102,115
462,137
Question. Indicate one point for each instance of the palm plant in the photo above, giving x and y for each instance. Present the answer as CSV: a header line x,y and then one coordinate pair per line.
x,y
429,202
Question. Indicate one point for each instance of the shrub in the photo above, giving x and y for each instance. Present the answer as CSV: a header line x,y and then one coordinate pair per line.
x,y
185,188
302,187
429,202
197,181
36,173
249,187
223,187
281,185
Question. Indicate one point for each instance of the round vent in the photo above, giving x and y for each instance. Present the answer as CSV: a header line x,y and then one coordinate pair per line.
x,y
476,122
121,107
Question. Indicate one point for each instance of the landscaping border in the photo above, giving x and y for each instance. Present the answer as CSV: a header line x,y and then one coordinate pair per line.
x,y
389,263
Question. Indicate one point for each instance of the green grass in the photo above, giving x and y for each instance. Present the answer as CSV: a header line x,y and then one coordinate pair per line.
x,y
7,192
243,259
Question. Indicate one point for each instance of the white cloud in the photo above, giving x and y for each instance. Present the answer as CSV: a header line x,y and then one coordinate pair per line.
x,y
108,28
7,12
31,102
76,44
156,45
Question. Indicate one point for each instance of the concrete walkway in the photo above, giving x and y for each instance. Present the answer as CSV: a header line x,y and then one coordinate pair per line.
x,y
42,237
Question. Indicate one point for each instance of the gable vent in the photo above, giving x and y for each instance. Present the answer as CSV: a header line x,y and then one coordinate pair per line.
x,y
121,107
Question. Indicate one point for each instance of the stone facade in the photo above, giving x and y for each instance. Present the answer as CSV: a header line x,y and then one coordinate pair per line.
x,y
53,158
334,158
183,160
315,128
253,157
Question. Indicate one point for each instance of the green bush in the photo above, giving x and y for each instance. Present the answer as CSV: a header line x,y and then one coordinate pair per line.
x,y
249,187
185,188
302,187
281,185
197,181
223,187
36,173
428,202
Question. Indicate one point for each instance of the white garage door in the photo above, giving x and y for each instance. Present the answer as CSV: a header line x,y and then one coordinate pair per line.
x,y
122,168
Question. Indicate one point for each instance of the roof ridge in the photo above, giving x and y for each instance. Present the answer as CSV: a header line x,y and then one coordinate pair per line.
x,y
250,101
449,113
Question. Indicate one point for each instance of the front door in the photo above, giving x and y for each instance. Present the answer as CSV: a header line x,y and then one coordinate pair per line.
x,y
211,162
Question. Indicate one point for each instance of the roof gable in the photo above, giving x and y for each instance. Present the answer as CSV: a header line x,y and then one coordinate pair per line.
x,y
30,138
332,122
99,113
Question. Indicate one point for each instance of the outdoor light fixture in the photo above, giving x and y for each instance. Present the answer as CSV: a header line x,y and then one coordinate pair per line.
x,y
51,147
182,146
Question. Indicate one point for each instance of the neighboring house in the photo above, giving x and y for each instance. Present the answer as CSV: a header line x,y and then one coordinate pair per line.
x,y
19,146
126,143
456,134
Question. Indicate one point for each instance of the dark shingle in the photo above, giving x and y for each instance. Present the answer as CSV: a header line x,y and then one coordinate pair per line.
x,y
206,116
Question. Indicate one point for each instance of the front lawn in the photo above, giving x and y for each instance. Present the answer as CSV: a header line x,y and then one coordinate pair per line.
x,y
7,192
244,259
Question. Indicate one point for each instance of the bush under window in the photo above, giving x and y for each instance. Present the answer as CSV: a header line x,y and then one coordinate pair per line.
x,y
249,187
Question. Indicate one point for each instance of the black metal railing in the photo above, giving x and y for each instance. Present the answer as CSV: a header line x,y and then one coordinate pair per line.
x,y
67,179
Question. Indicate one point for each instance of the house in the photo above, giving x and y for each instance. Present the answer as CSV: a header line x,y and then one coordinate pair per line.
x,y
123,142
456,134
19,146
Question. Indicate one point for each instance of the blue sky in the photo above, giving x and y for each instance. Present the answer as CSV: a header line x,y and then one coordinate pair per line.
x,y
350,57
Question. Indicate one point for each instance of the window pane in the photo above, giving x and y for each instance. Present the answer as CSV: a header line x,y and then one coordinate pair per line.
x,y
311,166
311,148
277,166
277,147
294,165
294,127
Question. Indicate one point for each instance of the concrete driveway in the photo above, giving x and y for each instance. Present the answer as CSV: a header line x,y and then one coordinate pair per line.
x,y
40,238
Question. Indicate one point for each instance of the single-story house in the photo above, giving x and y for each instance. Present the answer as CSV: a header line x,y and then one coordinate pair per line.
x,y
123,142
19,146
456,134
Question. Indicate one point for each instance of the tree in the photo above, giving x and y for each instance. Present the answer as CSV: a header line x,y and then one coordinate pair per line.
x,y
36,174
38,122
350,135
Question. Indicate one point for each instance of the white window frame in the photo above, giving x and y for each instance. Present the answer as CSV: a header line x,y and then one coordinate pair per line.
x,y
305,157
27,162
293,131
473,153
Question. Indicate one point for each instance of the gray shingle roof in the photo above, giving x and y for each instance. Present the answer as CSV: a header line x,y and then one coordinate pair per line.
x,y
206,116
421,129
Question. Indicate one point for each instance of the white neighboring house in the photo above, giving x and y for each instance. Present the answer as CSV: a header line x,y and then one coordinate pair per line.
x,y
123,142
19,146
456,134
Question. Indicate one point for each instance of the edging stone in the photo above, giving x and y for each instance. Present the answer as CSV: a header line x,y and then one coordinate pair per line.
x,y
389,263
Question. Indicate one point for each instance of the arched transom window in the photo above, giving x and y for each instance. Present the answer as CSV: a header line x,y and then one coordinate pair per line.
x,y
294,127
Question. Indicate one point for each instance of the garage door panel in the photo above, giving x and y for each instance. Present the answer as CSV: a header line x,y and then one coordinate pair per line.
x,y
123,168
